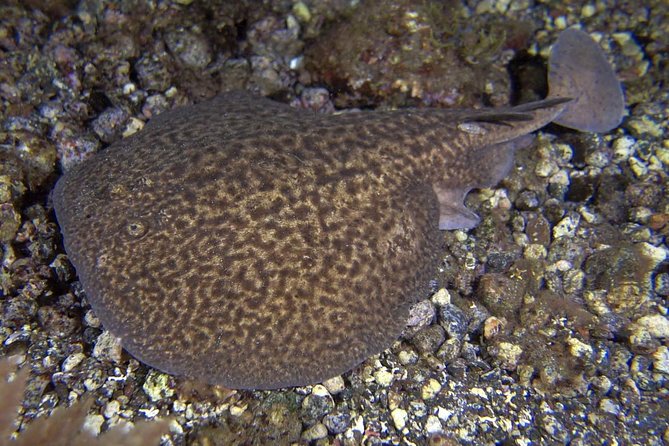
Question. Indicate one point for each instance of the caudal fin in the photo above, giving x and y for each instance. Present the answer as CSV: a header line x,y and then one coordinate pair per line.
x,y
578,69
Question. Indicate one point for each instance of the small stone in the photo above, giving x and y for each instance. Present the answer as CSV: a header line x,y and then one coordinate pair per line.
x,y
507,354
156,386
430,389
555,429
407,357
535,252
57,322
457,368
237,411
450,350
154,105
598,159
609,406
602,384
527,200
498,262
395,400
492,326
302,12
72,361
93,424
108,348
133,126
383,377
560,22
500,294
317,404
453,320
579,349
573,281
400,418
656,325
111,408
546,168
19,311
95,381
588,11
335,385
623,148
433,425
337,422
441,297
662,284
661,360
315,432
191,48
662,152
567,226
638,167
644,127
561,179
320,390
10,221
421,315
429,339
281,417
110,124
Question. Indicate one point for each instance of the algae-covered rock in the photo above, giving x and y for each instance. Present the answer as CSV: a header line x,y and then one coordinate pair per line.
x,y
403,49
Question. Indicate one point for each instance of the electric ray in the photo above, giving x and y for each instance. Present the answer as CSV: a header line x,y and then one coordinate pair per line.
x,y
245,243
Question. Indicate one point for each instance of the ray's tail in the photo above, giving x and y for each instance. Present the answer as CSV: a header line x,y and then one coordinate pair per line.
x,y
579,70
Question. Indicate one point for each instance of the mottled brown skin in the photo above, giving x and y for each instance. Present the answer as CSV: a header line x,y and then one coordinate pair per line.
x,y
244,243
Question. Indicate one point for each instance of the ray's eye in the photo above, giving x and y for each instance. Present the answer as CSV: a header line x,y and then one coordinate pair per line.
x,y
136,229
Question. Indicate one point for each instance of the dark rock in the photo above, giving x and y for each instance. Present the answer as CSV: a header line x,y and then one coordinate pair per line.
x,y
18,311
527,201
109,125
429,339
57,322
337,422
454,321
191,48
498,262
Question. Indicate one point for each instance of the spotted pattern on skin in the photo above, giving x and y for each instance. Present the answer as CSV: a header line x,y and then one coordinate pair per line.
x,y
262,255
244,243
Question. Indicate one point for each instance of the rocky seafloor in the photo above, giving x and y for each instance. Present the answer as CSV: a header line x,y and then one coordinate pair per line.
x,y
548,324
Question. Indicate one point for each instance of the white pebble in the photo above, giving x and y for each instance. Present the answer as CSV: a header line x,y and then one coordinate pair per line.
x,y
579,349
93,424
588,11
335,385
567,226
108,347
656,325
661,360
236,411
430,389
400,418
111,409
72,361
383,377
561,22
441,297
407,357
433,425
623,148
320,390
315,432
